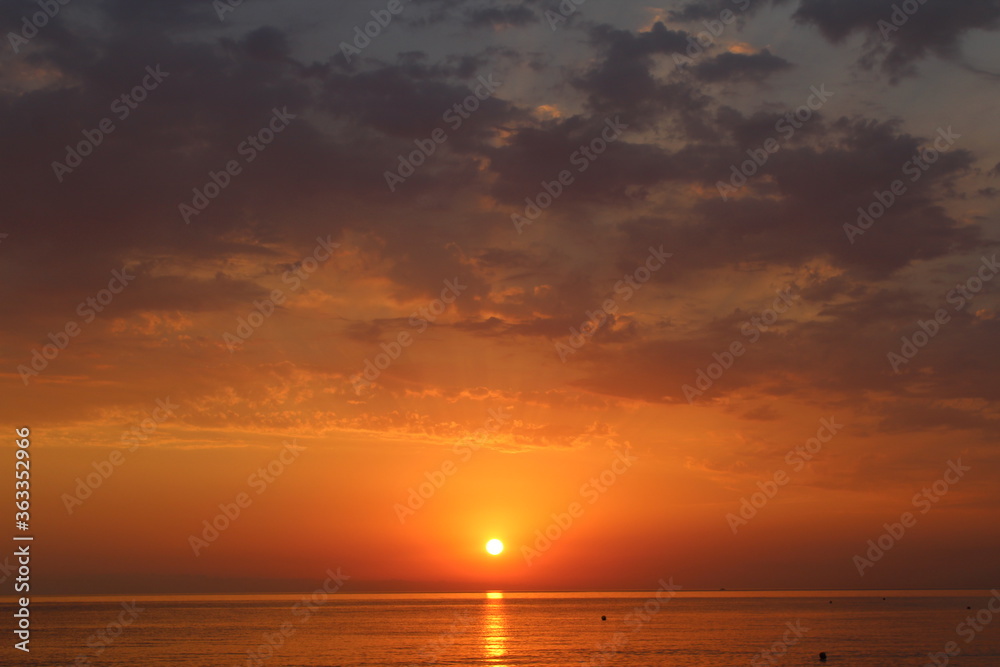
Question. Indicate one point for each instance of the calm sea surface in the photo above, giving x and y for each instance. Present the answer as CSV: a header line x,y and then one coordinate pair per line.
x,y
694,629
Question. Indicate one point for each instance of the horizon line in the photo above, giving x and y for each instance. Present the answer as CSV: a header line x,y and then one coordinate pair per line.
x,y
495,590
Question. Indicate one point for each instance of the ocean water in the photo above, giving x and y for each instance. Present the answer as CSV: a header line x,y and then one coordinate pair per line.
x,y
692,629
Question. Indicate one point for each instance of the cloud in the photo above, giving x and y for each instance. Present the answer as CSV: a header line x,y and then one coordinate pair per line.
x,y
731,66
897,39
267,43
501,17
622,78
325,175
806,193
711,9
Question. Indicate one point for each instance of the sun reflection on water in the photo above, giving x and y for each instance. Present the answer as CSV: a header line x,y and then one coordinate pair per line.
x,y
495,629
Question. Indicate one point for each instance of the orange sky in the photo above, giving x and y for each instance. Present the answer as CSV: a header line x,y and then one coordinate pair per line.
x,y
363,340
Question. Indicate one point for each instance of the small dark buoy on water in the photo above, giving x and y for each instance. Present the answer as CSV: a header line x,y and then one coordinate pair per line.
x,y
604,618
822,657
831,601
968,607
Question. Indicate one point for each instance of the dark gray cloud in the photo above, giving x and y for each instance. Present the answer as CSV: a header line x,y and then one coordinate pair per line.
x,y
898,38
713,9
622,79
730,66
847,347
267,43
419,105
501,17
797,206
121,203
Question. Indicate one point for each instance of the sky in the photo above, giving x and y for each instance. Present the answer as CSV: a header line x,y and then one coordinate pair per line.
x,y
699,291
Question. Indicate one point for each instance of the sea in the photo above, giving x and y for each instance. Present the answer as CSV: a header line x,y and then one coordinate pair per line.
x,y
502,629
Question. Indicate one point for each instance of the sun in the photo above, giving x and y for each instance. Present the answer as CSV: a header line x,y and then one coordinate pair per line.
x,y
494,547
